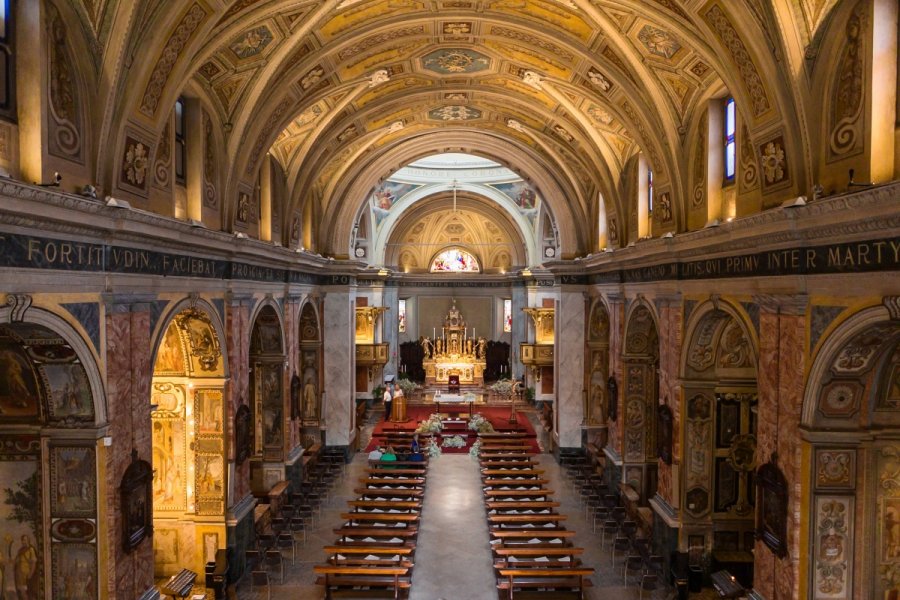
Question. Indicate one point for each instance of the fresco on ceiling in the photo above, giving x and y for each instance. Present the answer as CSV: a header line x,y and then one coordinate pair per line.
x,y
453,61
523,195
385,195
454,113
252,43
454,260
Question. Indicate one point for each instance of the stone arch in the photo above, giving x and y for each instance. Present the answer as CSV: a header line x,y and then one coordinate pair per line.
x,y
718,375
850,423
189,437
639,398
50,382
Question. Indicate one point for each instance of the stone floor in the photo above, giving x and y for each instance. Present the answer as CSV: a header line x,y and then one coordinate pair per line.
x,y
453,560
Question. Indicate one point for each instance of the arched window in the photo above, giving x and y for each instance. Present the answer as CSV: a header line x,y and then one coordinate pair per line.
x,y
729,140
454,260
7,61
180,142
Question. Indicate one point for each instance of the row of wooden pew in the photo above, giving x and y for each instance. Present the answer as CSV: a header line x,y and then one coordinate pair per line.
x,y
375,547
533,551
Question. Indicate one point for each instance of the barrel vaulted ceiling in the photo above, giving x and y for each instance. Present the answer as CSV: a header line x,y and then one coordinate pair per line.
x,y
344,92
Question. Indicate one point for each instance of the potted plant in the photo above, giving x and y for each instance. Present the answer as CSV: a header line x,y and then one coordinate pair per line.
x,y
377,393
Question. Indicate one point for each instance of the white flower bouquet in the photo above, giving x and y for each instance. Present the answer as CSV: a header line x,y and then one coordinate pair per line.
x,y
454,441
433,449
480,424
475,450
430,425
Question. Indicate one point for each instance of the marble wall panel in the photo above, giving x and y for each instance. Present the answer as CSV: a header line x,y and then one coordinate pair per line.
x,y
339,368
670,336
237,346
570,328
616,343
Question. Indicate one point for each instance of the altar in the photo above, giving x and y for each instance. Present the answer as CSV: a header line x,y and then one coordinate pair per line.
x,y
455,352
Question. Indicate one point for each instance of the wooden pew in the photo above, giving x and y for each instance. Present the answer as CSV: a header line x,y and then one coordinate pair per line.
x,y
522,472
539,494
526,521
506,505
503,435
388,482
524,537
505,464
387,578
387,518
382,534
399,463
527,557
388,556
388,494
514,483
394,472
387,504
562,580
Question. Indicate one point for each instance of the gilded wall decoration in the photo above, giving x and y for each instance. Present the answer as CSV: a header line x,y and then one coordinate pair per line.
x,y
835,469
700,69
659,42
65,121
180,37
205,351
888,523
889,399
242,214
848,92
209,70
613,229
453,61
73,481
209,411
170,472
170,356
309,325
210,198
598,327
20,391
251,43
263,139
135,162
455,29
163,163
726,32
539,42
209,484
748,162
859,354
662,210
698,197
735,350
833,547
69,393
375,41
698,439
599,80
773,159
840,399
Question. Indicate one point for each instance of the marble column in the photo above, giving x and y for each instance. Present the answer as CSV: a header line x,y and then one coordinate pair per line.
x,y
237,349
569,366
390,329
780,383
340,365
616,428
519,334
670,389
129,371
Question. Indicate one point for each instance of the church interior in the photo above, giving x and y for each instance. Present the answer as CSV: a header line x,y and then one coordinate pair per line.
x,y
629,270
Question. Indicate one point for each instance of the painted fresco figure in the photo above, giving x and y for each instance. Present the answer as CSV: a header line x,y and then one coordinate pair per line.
x,y
26,570
310,401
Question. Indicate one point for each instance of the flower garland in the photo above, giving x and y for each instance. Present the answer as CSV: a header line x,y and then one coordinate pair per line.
x,y
454,441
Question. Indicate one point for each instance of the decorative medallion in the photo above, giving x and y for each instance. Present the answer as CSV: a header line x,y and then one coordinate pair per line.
x,y
840,399
454,61
742,453
73,530
251,43
658,42
836,469
774,162
454,113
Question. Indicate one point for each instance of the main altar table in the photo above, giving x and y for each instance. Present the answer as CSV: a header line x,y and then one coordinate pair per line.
x,y
451,399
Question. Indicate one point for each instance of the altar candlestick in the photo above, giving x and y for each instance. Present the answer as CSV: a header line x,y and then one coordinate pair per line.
x,y
433,332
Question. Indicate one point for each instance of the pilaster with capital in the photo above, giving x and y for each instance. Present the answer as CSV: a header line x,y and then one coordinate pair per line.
x,y
616,428
390,324
569,365
519,333
671,328
237,344
339,352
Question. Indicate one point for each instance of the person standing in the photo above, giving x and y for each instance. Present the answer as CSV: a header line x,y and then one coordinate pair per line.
x,y
398,406
388,400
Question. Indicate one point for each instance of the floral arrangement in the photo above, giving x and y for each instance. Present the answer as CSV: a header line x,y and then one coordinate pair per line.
x,y
454,441
475,450
433,449
480,424
503,387
430,425
469,397
407,386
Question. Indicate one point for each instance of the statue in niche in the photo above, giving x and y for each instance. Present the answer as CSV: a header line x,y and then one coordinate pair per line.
x,y
481,350
427,347
440,347
310,400
469,346
598,413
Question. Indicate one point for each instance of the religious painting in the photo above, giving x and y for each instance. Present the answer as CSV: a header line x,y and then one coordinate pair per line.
x,y
20,392
73,481
20,522
522,193
454,61
454,260
210,475
136,492
385,195
167,398
208,409
210,546
401,317
772,508
74,571
270,409
169,473
890,545
266,333
507,315
170,355
203,340
70,392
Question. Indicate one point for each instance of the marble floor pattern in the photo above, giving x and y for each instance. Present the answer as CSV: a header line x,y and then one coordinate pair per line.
x,y
453,560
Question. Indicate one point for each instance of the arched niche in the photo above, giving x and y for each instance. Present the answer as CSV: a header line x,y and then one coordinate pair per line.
x,y
51,402
310,361
718,373
268,385
598,365
640,393
188,429
850,423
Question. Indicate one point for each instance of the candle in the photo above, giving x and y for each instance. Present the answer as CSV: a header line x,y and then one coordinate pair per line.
x,y
473,331
433,332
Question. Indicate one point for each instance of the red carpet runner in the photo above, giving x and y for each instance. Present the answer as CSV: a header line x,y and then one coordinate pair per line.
x,y
497,415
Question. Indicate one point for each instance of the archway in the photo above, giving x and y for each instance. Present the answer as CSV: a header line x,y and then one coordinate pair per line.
x,y
50,395
851,424
190,478
267,400
718,496
310,361
640,361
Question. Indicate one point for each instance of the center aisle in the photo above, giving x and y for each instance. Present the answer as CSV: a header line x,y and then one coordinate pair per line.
x,y
453,556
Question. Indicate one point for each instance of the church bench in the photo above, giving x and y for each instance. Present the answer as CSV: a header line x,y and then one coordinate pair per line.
x,y
501,464
537,557
524,538
507,483
526,521
392,472
415,464
564,583
509,456
388,518
521,505
491,449
360,555
407,483
379,533
503,435
500,495
523,472
374,494
387,504
395,579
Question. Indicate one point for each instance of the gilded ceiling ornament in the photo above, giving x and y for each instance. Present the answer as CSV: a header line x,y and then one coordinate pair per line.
x,y
533,79
313,77
252,43
136,163
659,42
599,80
456,60
378,77
513,124
773,162
599,115
454,113
395,126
